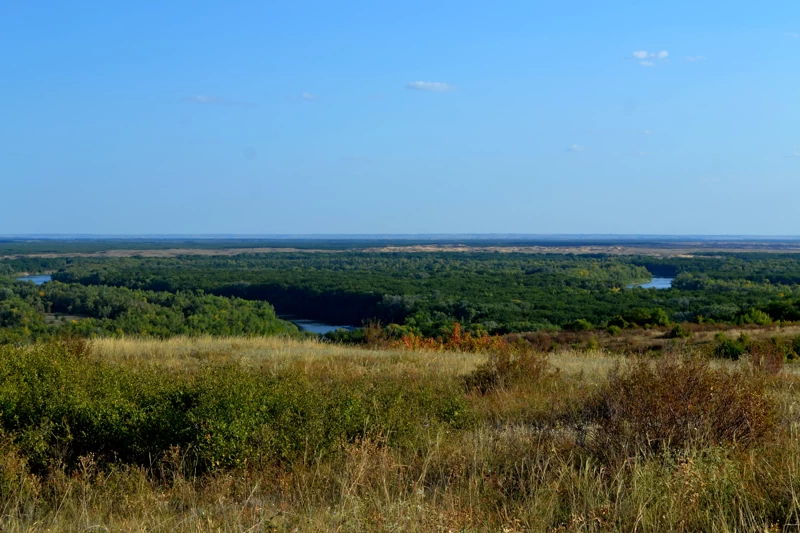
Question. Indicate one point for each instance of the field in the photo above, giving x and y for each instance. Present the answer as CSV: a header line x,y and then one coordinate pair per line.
x,y
384,440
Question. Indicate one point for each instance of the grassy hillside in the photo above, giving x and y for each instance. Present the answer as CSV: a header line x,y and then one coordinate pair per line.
x,y
270,434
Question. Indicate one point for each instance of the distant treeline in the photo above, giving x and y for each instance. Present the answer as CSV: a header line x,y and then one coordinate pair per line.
x,y
425,293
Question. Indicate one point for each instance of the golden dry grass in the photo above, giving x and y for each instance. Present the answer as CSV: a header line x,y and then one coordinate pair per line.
x,y
277,354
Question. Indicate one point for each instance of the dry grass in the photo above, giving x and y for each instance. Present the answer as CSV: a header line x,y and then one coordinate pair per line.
x,y
515,468
311,356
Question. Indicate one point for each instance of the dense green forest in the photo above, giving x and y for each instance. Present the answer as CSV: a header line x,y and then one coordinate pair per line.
x,y
29,312
423,293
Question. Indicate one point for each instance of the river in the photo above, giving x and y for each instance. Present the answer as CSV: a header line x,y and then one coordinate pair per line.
x,y
38,279
655,283
313,326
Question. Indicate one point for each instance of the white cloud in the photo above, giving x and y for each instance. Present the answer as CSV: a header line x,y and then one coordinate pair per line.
x,y
202,99
647,59
576,148
308,97
430,86
215,100
693,58
795,152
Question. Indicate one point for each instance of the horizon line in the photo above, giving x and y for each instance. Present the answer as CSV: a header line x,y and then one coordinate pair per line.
x,y
377,236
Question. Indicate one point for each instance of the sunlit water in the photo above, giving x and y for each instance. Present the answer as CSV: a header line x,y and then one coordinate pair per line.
x,y
38,279
655,283
313,326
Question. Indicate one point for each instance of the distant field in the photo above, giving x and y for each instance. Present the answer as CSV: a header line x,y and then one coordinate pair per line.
x,y
168,247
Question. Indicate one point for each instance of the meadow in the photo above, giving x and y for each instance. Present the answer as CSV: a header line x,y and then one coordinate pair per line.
x,y
286,434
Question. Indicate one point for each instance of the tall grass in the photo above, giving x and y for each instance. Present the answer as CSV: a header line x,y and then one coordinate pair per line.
x,y
314,437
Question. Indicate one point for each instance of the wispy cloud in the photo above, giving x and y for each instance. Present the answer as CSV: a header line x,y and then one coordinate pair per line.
x,y
792,35
648,59
693,58
575,149
431,86
308,97
215,100
642,132
795,152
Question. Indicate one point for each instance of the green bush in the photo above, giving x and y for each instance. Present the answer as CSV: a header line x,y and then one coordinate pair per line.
x,y
579,325
679,332
59,403
756,316
727,348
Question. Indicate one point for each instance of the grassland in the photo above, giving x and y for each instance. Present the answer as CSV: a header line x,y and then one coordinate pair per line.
x,y
381,440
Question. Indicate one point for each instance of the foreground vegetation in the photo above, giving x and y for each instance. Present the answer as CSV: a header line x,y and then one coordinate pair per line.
x,y
261,434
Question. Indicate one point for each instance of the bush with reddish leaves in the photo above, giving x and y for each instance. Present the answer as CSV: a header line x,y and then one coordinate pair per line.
x,y
673,404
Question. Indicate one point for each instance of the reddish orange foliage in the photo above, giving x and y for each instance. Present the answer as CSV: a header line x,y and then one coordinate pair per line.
x,y
457,341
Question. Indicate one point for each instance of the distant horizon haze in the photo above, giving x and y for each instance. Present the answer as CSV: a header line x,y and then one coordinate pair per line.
x,y
557,237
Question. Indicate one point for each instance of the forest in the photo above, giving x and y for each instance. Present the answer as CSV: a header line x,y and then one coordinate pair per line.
x,y
420,293
29,312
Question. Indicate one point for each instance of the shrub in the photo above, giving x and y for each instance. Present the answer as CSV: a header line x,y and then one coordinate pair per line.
x,y
727,348
768,357
579,325
506,368
614,330
619,322
678,332
672,403
756,316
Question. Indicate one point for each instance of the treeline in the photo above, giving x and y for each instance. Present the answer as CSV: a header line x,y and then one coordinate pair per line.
x,y
425,293
29,312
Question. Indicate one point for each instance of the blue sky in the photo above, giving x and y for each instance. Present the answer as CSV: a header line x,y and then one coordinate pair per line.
x,y
407,117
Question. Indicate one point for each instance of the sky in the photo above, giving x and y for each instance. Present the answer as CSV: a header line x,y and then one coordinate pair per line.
x,y
271,117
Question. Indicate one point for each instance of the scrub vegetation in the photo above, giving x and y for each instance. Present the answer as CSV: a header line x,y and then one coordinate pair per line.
x,y
276,434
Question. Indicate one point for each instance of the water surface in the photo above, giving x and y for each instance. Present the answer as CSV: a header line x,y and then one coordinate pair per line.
x,y
313,326
38,279
655,283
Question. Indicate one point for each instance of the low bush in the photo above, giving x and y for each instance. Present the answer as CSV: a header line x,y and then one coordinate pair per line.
x,y
672,404
57,403
678,332
580,324
726,348
504,369
768,357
